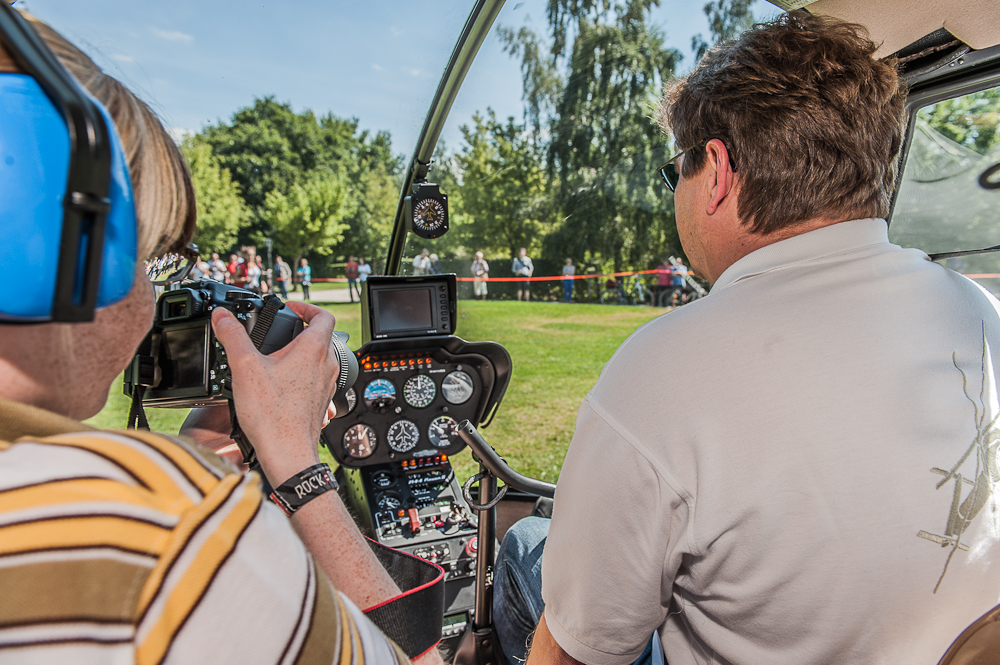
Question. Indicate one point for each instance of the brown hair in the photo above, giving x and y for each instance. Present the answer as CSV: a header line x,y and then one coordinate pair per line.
x,y
161,183
812,122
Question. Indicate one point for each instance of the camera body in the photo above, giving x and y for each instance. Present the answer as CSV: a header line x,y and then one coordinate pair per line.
x,y
181,363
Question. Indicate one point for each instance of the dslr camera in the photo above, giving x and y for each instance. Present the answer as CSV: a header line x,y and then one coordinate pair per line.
x,y
180,364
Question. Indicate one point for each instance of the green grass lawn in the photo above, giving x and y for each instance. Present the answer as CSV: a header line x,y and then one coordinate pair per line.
x,y
558,352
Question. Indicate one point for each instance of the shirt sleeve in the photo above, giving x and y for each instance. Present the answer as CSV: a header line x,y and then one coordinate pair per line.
x,y
618,534
238,586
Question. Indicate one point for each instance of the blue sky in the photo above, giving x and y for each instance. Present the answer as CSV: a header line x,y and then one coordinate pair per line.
x,y
378,61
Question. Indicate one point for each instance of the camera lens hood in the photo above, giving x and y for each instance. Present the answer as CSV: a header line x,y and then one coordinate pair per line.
x,y
348,372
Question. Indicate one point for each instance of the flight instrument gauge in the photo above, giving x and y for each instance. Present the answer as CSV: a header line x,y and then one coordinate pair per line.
x,y
360,441
419,391
389,501
427,210
380,395
352,399
442,431
457,387
403,436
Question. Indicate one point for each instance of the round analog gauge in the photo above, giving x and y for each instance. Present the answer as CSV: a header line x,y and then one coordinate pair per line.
x,y
389,501
352,399
428,214
442,431
380,395
457,387
419,391
360,441
382,479
403,436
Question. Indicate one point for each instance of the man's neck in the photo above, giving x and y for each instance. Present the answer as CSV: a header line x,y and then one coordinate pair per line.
x,y
742,242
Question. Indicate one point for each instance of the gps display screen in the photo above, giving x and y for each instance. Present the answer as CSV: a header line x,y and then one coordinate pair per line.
x,y
404,309
182,357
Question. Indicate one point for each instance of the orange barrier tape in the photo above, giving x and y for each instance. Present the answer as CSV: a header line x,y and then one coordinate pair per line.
x,y
988,275
556,278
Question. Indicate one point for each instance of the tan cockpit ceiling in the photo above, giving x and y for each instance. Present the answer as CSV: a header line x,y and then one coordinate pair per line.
x,y
897,23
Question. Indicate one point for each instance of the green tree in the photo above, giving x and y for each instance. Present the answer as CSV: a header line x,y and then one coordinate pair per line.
x,y
727,19
505,193
971,120
221,210
268,148
307,218
603,145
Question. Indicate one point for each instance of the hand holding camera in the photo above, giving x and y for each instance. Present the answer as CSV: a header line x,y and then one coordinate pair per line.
x,y
281,399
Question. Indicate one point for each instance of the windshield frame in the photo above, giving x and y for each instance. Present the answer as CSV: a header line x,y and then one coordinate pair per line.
x,y
477,27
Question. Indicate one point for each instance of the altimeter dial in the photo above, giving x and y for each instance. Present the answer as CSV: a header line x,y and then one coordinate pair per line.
x,y
419,391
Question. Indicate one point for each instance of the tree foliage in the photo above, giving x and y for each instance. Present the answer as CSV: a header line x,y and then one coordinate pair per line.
x,y
505,191
269,149
726,20
603,146
307,218
221,209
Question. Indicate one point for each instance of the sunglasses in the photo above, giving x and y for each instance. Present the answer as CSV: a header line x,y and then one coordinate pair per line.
x,y
671,176
173,267
669,171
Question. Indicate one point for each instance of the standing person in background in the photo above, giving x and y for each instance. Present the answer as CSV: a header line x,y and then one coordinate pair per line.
x,y
305,278
282,275
480,270
216,268
434,267
568,271
351,272
662,280
364,270
421,263
522,267
262,276
234,264
678,280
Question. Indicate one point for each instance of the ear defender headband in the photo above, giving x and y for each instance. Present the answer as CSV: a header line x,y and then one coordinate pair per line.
x,y
67,216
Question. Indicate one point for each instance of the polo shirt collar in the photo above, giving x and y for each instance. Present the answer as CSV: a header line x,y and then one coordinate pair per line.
x,y
829,240
19,420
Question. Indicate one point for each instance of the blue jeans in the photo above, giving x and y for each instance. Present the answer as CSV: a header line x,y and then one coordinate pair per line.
x,y
517,592
568,290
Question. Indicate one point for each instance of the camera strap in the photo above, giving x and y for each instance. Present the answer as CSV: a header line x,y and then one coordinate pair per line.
x,y
414,618
272,304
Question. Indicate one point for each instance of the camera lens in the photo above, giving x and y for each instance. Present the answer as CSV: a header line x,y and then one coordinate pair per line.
x,y
348,372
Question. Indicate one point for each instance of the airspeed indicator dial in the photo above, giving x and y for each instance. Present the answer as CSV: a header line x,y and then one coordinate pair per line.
x,y
419,391
403,436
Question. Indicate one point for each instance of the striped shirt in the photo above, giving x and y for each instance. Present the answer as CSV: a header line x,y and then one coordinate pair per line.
x,y
122,547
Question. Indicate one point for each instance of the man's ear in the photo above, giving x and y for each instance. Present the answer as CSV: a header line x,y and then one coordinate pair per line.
x,y
723,181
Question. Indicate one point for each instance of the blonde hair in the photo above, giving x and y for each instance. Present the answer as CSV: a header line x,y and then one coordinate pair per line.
x,y
161,183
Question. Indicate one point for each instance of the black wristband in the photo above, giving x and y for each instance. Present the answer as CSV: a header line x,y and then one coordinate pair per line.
x,y
303,487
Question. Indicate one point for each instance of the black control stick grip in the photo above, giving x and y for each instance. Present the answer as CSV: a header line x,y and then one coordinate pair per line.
x,y
492,461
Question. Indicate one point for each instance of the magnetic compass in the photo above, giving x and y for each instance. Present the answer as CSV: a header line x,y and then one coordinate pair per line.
x,y
427,210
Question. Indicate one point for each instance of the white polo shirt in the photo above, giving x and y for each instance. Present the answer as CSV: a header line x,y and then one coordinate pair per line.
x,y
799,468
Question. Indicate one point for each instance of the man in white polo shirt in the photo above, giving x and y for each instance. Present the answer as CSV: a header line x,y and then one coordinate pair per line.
x,y
823,490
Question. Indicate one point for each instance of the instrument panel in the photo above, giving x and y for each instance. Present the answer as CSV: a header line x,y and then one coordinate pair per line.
x,y
407,402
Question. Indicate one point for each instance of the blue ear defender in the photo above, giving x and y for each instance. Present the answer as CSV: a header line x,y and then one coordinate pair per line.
x,y
68,240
